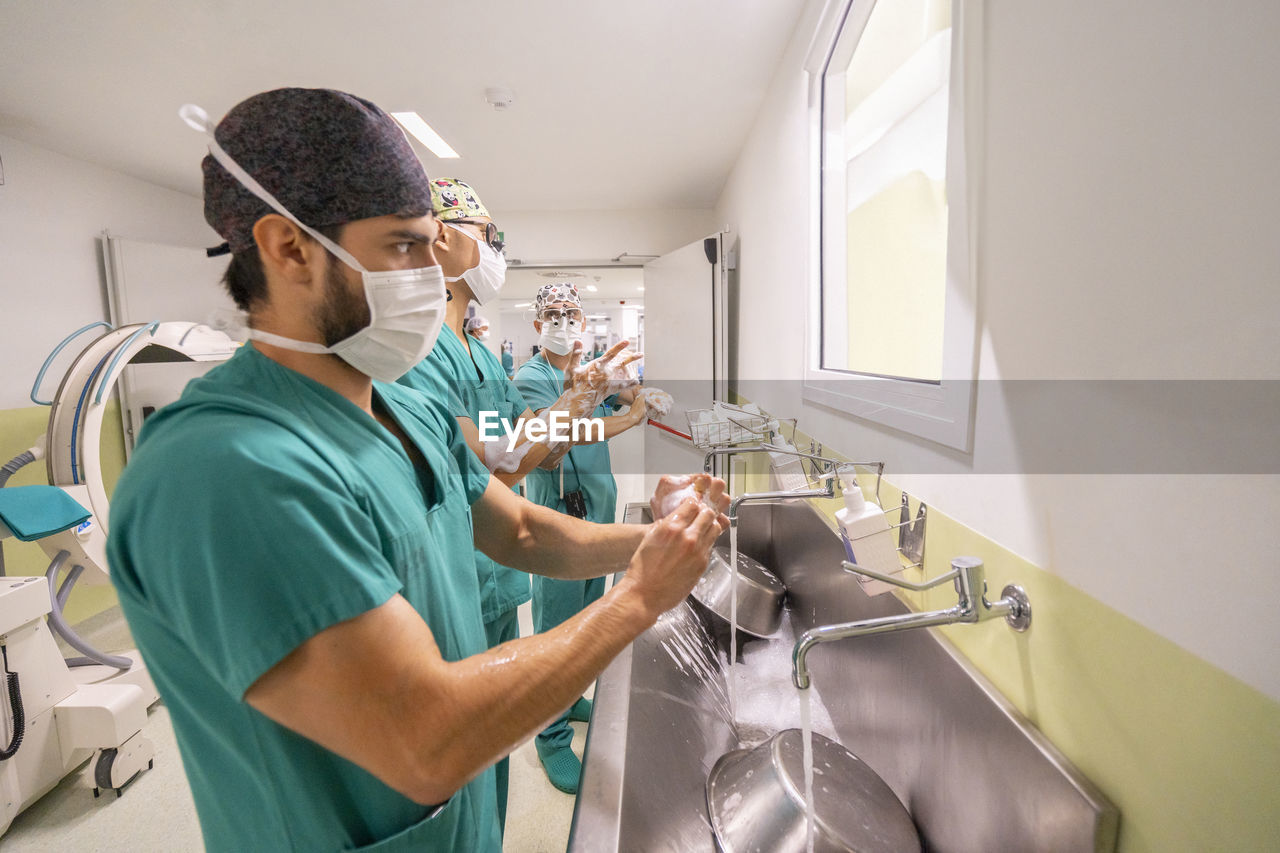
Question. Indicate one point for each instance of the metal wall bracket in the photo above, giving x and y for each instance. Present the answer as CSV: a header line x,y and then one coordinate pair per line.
x,y
911,534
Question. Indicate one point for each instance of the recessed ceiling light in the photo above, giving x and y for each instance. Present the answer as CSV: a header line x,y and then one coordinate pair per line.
x,y
592,288
640,288
413,123
522,305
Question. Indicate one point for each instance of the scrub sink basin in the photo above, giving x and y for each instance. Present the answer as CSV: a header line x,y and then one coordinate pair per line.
x,y
973,773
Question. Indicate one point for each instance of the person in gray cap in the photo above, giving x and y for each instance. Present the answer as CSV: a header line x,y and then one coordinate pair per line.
x,y
292,540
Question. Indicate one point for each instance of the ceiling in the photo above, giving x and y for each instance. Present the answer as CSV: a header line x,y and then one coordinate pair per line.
x,y
617,105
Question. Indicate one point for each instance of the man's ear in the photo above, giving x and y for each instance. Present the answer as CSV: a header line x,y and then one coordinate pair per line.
x,y
286,250
537,326
445,238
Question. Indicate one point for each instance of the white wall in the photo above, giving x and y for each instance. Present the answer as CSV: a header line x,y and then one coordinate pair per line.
x,y
1130,171
52,210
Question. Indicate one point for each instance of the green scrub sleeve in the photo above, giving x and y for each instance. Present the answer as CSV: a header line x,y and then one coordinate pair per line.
x,y
475,477
258,570
538,389
515,400
456,406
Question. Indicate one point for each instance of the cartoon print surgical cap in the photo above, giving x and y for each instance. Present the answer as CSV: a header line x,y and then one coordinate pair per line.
x,y
329,157
455,199
560,291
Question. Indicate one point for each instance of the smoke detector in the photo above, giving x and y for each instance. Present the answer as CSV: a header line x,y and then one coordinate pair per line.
x,y
499,97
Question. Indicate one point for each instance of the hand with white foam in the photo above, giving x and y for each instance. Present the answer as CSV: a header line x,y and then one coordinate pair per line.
x,y
671,557
702,489
623,373
657,401
586,385
639,411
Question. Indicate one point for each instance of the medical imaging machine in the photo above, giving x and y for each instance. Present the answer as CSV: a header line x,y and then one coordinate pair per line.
x,y
56,713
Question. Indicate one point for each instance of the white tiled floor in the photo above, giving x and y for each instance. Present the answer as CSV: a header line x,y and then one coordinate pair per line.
x,y
538,816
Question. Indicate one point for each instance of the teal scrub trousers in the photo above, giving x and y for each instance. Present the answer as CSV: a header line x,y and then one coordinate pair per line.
x,y
505,627
554,601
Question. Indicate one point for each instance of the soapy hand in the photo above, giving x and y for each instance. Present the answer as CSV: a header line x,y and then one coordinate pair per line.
x,y
672,556
639,410
700,489
658,402
586,385
622,371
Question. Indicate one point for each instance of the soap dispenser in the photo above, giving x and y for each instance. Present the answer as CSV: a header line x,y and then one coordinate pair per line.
x,y
865,531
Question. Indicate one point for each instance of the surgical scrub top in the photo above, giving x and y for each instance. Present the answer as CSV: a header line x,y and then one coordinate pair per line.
x,y
471,384
586,466
258,510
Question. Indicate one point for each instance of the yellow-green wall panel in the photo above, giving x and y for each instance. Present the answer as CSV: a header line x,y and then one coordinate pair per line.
x,y
19,430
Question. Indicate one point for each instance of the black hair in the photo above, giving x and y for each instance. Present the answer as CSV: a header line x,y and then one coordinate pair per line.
x,y
245,278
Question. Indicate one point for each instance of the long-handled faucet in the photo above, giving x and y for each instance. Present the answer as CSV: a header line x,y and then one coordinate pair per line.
x,y
832,465
827,491
971,587
764,448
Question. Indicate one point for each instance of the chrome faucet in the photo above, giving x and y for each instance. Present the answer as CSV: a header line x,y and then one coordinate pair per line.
x,y
831,466
971,587
827,491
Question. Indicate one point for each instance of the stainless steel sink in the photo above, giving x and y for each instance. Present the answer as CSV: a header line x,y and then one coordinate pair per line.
x,y
974,774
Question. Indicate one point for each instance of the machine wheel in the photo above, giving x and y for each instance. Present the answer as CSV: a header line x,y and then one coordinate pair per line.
x,y
102,771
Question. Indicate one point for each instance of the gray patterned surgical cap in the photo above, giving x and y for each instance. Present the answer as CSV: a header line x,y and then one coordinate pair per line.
x,y
328,157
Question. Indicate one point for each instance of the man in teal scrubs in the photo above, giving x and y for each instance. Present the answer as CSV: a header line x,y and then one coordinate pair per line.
x,y
508,360
292,540
582,485
460,368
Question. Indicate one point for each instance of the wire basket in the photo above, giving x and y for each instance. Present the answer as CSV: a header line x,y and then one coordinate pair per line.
x,y
710,428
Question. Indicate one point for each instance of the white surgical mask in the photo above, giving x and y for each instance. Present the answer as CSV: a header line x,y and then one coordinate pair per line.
x,y
559,338
406,307
486,278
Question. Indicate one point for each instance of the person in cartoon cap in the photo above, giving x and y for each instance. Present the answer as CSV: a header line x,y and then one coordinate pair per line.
x,y
292,541
462,375
582,485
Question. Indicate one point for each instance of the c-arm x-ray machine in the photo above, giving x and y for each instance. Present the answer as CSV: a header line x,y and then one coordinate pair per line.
x,y
55,713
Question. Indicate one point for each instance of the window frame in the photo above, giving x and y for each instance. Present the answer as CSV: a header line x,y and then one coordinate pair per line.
x,y
938,411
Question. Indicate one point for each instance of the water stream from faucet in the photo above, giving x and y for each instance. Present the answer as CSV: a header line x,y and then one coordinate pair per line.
x,y
806,730
695,653
733,619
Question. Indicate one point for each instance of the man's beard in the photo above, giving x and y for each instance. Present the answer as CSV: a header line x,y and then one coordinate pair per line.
x,y
343,313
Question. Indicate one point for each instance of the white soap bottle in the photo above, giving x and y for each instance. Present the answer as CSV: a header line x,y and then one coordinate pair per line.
x,y
867,538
